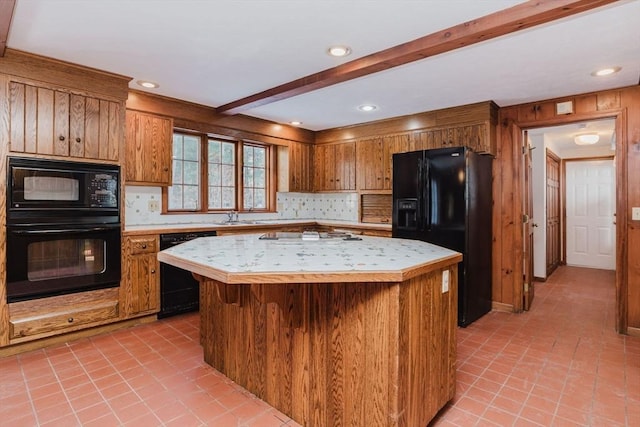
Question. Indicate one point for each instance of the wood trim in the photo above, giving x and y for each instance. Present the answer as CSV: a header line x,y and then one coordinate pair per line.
x,y
499,306
65,74
4,147
6,14
200,118
511,20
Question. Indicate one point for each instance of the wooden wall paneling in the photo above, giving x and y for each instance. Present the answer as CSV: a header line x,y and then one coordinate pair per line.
x,y
16,114
6,100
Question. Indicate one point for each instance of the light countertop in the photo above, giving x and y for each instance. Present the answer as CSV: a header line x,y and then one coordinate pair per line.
x,y
244,258
203,226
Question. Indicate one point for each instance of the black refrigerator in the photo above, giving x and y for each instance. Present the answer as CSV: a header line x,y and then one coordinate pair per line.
x,y
443,196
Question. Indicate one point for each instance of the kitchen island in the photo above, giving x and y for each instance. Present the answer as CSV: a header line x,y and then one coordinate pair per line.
x,y
330,331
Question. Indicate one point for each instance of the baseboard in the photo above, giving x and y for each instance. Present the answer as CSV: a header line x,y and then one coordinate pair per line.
x,y
500,306
539,279
73,336
634,332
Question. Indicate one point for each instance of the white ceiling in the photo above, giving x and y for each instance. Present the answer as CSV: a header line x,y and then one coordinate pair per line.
x,y
218,51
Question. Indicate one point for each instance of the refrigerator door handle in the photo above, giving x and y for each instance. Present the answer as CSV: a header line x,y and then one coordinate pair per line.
x,y
419,214
427,195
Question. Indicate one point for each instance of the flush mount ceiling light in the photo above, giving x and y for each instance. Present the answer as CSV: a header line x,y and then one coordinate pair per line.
x,y
339,51
295,123
606,71
587,139
367,107
147,84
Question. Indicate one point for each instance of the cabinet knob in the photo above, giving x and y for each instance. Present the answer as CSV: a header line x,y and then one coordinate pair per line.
x,y
153,271
61,137
166,169
70,320
78,139
144,246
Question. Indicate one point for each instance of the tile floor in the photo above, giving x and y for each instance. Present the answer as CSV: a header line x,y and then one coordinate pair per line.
x,y
561,364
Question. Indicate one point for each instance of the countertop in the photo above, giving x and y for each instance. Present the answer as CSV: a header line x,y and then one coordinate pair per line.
x,y
244,258
250,224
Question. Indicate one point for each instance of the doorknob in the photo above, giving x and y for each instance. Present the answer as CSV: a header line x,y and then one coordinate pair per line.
x,y
534,225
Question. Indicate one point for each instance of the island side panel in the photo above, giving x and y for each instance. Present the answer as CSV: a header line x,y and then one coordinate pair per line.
x,y
338,354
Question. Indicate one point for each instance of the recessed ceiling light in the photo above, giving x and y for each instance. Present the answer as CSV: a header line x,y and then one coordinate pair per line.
x,y
606,71
367,107
339,51
147,84
295,123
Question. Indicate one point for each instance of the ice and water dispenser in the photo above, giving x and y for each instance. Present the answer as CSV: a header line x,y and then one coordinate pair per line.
x,y
407,211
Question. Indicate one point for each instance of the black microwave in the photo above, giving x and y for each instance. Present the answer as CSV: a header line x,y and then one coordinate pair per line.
x,y
54,191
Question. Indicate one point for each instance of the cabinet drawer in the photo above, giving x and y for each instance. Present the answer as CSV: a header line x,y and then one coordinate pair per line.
x,y
63,319
143,245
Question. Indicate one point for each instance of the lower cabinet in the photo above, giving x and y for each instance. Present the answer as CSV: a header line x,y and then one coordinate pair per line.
x,y
40,318
140,288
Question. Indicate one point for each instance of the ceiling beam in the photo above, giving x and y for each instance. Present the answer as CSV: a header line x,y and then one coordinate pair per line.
x,y
516,18
6,13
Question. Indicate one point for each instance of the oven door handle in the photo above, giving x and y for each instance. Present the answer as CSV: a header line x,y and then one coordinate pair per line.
x,y
65,230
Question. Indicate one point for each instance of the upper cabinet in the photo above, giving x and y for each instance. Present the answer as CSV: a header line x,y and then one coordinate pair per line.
x,y
334,167
299,170
375,160
50,121
148,149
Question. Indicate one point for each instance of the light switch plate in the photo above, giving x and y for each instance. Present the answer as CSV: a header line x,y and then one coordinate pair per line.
x,y
445,281
635,214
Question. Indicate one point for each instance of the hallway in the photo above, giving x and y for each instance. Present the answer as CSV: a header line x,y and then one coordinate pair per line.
x,y
561,364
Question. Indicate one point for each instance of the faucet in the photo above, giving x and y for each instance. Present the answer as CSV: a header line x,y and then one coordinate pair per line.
x,y
232,216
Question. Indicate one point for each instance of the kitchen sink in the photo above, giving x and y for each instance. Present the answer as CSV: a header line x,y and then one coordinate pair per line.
x,y
241,222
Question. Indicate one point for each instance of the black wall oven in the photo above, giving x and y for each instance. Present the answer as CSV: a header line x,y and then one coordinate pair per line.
x,y
63,227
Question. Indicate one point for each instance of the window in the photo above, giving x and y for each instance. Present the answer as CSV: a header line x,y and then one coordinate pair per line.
x,y
215,174
254,171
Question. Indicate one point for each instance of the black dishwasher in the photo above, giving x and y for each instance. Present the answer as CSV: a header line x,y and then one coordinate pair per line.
x,y
179,291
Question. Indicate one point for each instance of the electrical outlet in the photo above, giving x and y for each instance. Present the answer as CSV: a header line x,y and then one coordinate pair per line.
x,y
635,214
445,281
154,205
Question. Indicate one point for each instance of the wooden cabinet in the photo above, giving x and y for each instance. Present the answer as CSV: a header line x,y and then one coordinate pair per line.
x,y
148,149
375,160
54,122
480,137
44,317
300,167
140,293
334,167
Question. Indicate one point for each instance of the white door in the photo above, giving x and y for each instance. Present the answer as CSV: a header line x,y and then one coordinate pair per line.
x,y
591,239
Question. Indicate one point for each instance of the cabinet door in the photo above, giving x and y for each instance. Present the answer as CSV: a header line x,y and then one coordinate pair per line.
x,y
345,163
299,167
393,144
141,285
148,149
145,283
370,165
48,121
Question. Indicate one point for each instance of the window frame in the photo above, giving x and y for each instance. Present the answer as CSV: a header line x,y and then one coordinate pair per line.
x,y
203,185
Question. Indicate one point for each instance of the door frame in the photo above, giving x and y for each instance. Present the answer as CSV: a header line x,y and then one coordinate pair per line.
x,y
620,117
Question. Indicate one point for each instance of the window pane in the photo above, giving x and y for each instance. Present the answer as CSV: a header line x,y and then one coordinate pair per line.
x,y
259,178
248,177
190,200
260,199
191,173
248,198
248,156
221,174
228,154
259,157
191,148
184,192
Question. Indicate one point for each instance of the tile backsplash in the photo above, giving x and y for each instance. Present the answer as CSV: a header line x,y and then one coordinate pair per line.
x,y
142,207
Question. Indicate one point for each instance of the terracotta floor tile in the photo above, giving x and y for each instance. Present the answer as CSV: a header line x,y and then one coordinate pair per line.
x,y
559,364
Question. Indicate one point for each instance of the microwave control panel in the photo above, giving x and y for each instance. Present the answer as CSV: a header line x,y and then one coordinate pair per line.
x,y
103,190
